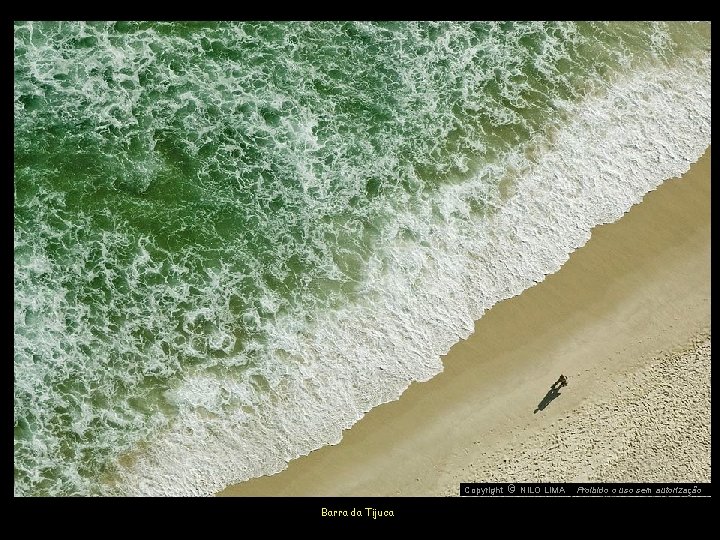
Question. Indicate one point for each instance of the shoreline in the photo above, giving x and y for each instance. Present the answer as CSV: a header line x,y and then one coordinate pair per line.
x,y
638,290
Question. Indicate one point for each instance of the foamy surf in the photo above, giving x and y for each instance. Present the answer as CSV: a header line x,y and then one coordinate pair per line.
x,y
234,240
422,300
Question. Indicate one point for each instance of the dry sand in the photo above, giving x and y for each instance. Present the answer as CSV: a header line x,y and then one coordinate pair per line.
x,y
647,425
626,319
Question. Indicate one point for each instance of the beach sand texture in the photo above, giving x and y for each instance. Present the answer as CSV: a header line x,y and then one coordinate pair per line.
x,y
626,319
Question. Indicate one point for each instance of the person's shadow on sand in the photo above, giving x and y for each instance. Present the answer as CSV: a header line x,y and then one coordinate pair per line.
x,y
552,393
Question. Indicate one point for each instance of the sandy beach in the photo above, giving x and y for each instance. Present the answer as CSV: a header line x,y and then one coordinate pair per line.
x,y
626,319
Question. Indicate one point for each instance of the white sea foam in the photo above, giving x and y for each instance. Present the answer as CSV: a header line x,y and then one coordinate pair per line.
x,y
322,373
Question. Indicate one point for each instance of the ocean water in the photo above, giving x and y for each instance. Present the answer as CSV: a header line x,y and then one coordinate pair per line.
x,y
232,240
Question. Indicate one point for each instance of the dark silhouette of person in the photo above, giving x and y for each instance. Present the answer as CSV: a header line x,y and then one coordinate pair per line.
x,y
552,393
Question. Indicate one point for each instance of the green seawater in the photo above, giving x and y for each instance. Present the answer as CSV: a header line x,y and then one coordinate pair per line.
x,y
185,193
